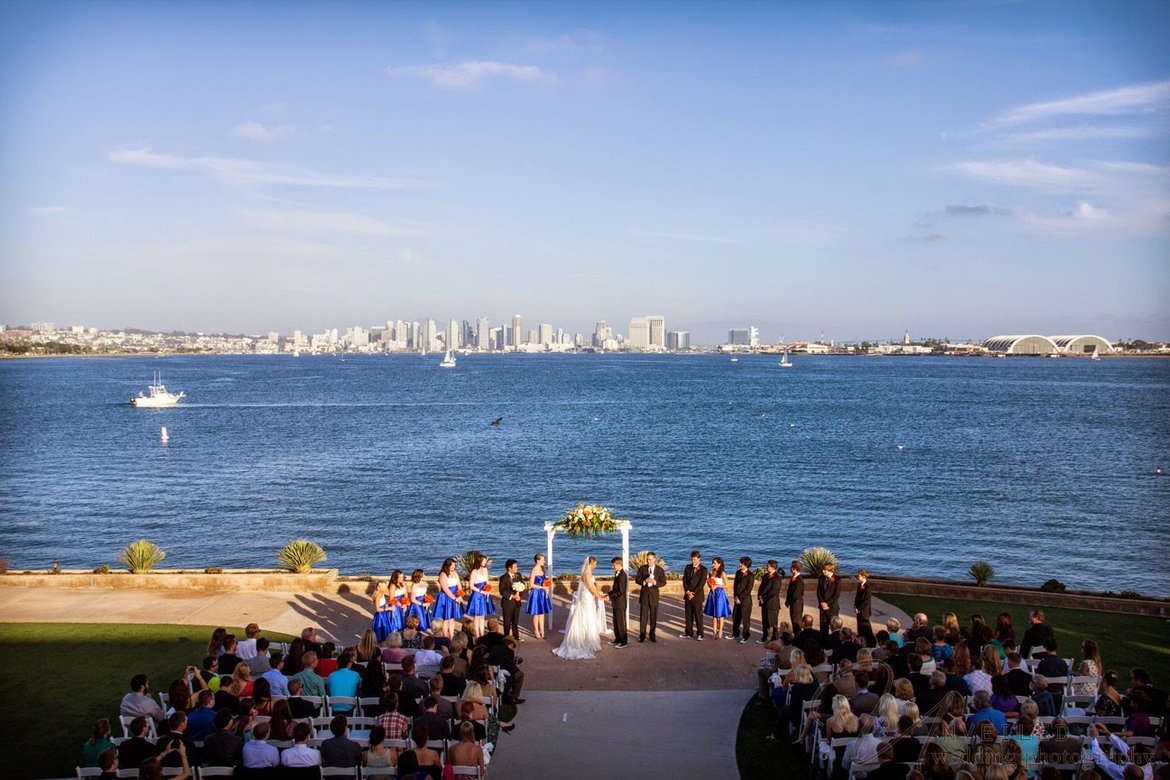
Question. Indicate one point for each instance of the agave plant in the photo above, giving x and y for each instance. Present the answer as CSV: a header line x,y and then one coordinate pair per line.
x,y
466,563
815,559
981,572
638,560
141,556
300,555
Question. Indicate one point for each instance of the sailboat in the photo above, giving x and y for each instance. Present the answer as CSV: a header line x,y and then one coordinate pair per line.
x,y
784,361
448,360
1096,354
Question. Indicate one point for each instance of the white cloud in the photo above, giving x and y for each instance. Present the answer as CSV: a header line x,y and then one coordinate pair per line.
x,y
311,222
46,211
1026,173
684,237
239,172
1135,99
257,131
1082,133
470,74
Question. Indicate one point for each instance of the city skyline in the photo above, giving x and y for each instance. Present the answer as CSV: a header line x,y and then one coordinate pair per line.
x,y
852,169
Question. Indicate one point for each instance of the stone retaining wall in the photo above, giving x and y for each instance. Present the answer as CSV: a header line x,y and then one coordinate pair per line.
x,y
318,580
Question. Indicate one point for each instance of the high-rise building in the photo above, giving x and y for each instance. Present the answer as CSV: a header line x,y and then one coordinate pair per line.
x,y
451,337
639,337
427,337
483,334
517,339
678,340
601,334
657,324
498,338
545,336
744,337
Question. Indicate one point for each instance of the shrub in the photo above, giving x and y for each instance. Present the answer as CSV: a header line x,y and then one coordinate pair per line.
x,y
103,569
466,562
55,568
815,559
3,565
141,556
213,570
300,555
638,560
1053,586
1129,594
981,572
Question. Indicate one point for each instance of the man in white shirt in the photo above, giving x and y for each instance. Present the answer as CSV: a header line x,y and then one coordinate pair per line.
x,y
138,701
300,754
277,682
428,656
247,648
258,754
1126,771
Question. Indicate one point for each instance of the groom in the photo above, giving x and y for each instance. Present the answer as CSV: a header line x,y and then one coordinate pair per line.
x,y
617,598
650,578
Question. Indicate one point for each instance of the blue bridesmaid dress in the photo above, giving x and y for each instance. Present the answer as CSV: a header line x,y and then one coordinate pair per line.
x,y
447,606
538,603
397,614
418,608
383,621
717,605
481,604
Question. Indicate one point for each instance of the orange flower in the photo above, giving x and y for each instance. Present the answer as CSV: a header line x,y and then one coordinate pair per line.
x,y
710,582
459,593
428,600
403,600
487,588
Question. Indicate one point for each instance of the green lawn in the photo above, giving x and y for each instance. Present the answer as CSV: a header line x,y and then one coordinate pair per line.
x,y
1126,640
61,677
759,758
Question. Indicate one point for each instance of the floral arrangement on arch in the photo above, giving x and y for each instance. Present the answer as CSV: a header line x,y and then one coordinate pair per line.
x,y
587,520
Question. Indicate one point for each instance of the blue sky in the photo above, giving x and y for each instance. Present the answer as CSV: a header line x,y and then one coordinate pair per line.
x,y
956,169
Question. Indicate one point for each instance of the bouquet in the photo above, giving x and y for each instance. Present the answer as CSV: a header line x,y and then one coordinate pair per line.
x,y
587,521
403,601
459,593
519,587
710,582
487,588
548,582
428,599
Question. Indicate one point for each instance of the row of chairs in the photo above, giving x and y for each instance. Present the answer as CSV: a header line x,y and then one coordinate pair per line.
x,y
307,773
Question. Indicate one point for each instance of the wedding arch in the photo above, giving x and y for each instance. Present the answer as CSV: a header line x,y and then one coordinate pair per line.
x,y
589,521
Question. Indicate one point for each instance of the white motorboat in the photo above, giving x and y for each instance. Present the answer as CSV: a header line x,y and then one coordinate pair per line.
x,y
784,361
448,360
156,395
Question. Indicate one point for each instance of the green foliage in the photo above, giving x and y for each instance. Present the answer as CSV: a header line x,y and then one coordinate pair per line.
x,y
141,556
982,572
1053,586
465,563
815,559
103,569
1129,594
300,555
759,573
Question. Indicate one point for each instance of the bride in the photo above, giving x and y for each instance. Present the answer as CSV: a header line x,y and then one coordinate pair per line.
x,y
586,618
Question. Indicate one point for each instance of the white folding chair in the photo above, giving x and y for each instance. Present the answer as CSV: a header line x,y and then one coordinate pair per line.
x,y
127,773
164,699
374,704
125,721
343,701
462,771
214,771
370,772
341,771
861,770
88,771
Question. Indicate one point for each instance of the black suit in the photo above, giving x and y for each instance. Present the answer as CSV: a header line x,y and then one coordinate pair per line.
x,y
648,599
694,582
1034,639
794,600
741,610
768,596
828,592
862,608
617,599
509,607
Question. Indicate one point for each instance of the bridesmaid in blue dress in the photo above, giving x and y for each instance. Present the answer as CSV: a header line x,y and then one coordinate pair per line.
x,y
397,599
538,604
383,612
717,606
418,600
449,602
481,604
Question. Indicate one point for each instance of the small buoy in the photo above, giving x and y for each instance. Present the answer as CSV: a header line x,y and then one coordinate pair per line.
x,y
791,425
165,436
901,447
596,419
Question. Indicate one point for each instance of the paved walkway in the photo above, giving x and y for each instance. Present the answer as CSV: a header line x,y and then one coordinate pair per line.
x,y
672,707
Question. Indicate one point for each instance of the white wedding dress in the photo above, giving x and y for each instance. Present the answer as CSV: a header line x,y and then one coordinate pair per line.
x,y
586,623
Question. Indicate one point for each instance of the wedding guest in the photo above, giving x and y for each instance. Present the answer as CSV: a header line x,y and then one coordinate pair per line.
x,y
884,722
262,697
378,755
539,604
794,595
939,649
310,639
139,702
393,654
168,746
741,611
694,583
864,702
326,660
894,629
977,679
215,645
413,686
300,754
930,700
828,596
99,742
292,660
1090,666
716,606
394,723
1005,632
108,763
1018,678
257,753
808,636
300,707
420,757
281,723
201,721
137,747
768,597
224,747
445,707
277,682
1140,681
453,683
466,752
261,662
1035,635
373,686
344,682
862,608
983,711
1002,697
511,585
340,750
229,658
438,726
174,754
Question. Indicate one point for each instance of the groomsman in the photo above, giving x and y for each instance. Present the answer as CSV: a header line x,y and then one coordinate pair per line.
x,y
510,599
794,597
617,599
694,585
650,578
828,596
861,607
768,597
741,610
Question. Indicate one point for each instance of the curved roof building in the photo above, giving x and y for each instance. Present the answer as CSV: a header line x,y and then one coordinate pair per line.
x,y
1022,345
1082,345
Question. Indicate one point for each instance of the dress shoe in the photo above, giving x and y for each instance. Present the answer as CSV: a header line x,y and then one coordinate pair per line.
x,y
684,636
641,639
508,729
620,645
652,639
699,638
514,701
